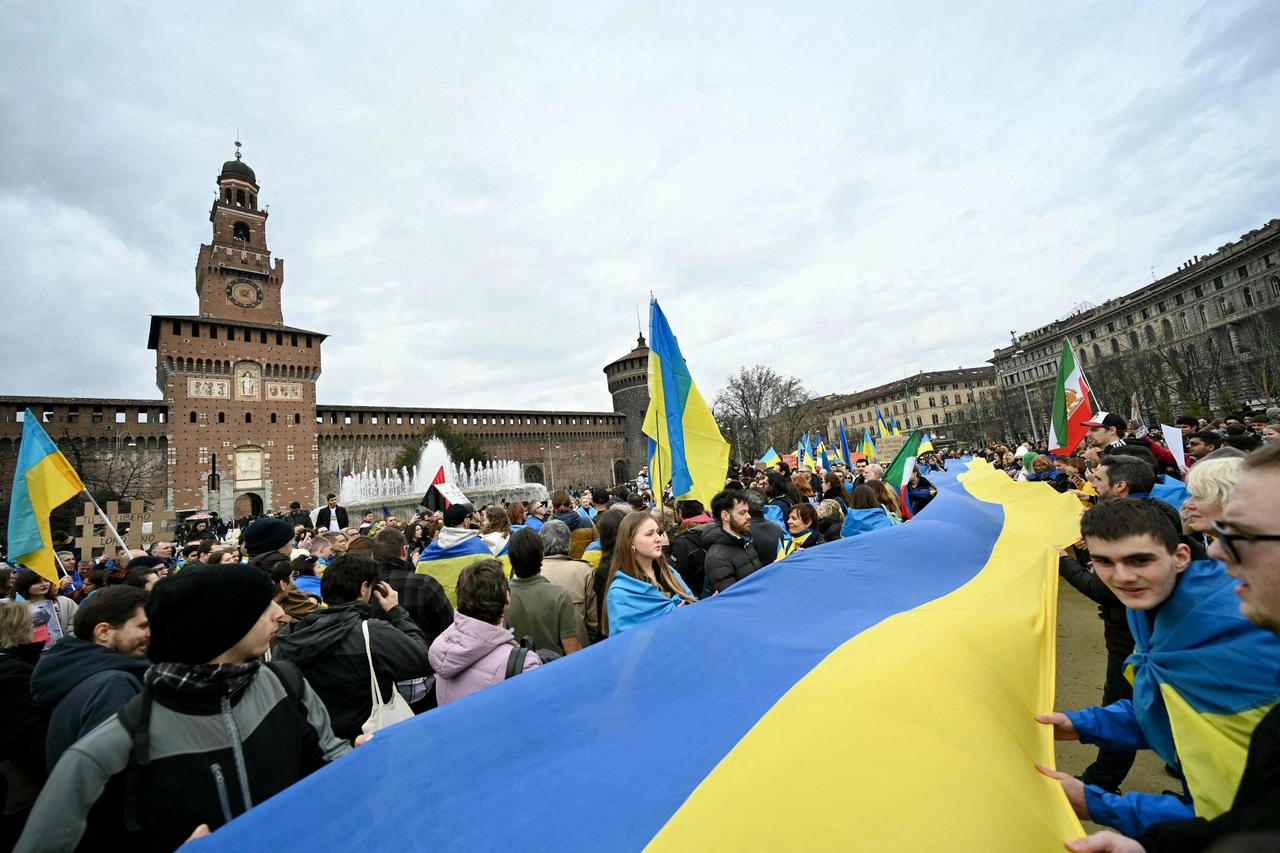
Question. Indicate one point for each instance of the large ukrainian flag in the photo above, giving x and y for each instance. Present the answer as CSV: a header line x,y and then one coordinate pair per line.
x,y
687,447
42,481
876,693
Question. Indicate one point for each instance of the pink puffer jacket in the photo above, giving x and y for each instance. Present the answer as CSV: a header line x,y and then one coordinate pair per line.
x,y
471,655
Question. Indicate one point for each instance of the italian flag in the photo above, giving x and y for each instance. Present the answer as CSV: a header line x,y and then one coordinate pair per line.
x,y
1070,404
898,474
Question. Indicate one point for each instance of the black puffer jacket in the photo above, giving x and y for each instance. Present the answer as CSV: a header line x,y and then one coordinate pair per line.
x,y
729,558
765,535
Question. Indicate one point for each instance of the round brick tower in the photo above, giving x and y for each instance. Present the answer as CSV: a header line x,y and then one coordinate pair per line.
x,y
629,385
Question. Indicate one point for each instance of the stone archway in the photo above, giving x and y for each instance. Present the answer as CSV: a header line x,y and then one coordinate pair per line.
x,y
621,471
248,504
533,474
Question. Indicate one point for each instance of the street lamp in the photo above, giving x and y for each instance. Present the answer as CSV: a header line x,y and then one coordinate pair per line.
x,y
1035,434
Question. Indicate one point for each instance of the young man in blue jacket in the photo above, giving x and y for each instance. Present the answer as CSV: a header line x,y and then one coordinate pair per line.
x,y
1195,661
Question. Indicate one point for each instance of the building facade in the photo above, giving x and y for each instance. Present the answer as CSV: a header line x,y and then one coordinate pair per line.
x,y
238,428
955,406
629,386
1201,340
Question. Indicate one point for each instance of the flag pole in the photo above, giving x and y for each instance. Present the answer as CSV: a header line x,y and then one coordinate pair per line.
x,y
114,533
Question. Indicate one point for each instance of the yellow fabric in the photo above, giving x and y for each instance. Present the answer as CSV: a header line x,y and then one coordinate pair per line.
x,y
592,557
919,733
51,482
1212,749
446,571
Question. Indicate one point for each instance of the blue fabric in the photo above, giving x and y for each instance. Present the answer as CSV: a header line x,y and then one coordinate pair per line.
x,y
468,546
864,521
597,709
773,513
535,523
633,602
310,584
1113,726
594,546
1171,491
1134,812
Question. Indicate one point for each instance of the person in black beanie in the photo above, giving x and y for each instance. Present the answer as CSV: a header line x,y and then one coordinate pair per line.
x,y
223,731
269,543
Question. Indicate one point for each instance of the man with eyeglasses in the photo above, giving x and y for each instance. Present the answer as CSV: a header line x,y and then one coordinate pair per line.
x,y
1248,541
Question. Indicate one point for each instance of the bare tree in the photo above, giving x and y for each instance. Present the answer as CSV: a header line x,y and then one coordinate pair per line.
x,y
758,407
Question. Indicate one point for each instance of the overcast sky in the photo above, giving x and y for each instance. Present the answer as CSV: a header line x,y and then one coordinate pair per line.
x,y
473,198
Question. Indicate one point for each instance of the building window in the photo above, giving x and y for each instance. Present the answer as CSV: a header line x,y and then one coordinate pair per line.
x,y
1093,334
1247,293
1182,321
293,340
193,417
1151,335
308,340
1275,285
1179,300
1167,328
240,231
1217,283
248,417
1115,346
297,419
1160,307
1084,359
1079,339
1204,316
195,330
1198,290
1111,327
1242,273
262,336
213,331
1228,307
935,419
1146,313
222,417
1128,320
279,339
932,403
945,401
273,417
1133,340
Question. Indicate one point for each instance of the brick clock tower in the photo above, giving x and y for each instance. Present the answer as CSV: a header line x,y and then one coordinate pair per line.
x,y
239,384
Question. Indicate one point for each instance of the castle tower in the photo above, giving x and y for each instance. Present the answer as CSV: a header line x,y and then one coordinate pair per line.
x,y
629,386
240,385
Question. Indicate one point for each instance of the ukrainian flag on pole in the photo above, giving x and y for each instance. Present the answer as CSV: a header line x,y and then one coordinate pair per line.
x,y
688,447
42,481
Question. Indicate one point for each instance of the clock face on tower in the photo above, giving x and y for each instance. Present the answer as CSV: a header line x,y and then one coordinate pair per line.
x,y
245,293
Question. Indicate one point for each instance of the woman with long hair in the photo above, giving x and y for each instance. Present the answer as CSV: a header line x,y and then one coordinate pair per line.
x,y
607,524
52,614
417,540
495,530
641,584
866,513
833,489
775,489
802,522
887,498
803,488
516,515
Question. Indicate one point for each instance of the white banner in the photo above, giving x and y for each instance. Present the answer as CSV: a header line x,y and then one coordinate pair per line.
x,y
1173,440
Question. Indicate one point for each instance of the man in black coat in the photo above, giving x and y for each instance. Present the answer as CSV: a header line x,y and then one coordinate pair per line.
x,y
765,534
331,513
730,554
85,679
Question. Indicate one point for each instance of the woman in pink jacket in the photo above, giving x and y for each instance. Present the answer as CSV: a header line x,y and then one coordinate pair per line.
x,y
473,652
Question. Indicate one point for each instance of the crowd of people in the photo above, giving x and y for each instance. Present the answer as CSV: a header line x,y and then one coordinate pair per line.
x,y
151,696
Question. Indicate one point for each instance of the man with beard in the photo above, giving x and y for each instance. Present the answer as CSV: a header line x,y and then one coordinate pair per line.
x,y
730,554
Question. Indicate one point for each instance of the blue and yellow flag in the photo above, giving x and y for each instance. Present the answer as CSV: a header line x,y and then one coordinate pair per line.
x,y
43,480
882,427
689,449
769,459
844,448
451,552
820,454
893,424
926,443
868,447
953,611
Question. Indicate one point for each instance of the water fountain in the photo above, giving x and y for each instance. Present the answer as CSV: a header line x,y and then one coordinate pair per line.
x,y
401,490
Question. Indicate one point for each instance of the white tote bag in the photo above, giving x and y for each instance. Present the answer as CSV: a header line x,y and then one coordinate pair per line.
x,y
384,713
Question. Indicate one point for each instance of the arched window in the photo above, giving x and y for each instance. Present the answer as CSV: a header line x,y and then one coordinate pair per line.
x,y
1115,346
273,417
1151,335
222,417
1133,340
1084,359
297,419
240,197
1167,328
1247,294
240,231
193,417
1097,351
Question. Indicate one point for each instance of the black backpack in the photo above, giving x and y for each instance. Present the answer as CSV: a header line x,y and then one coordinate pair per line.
x,y
135,717
689,557
515,661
